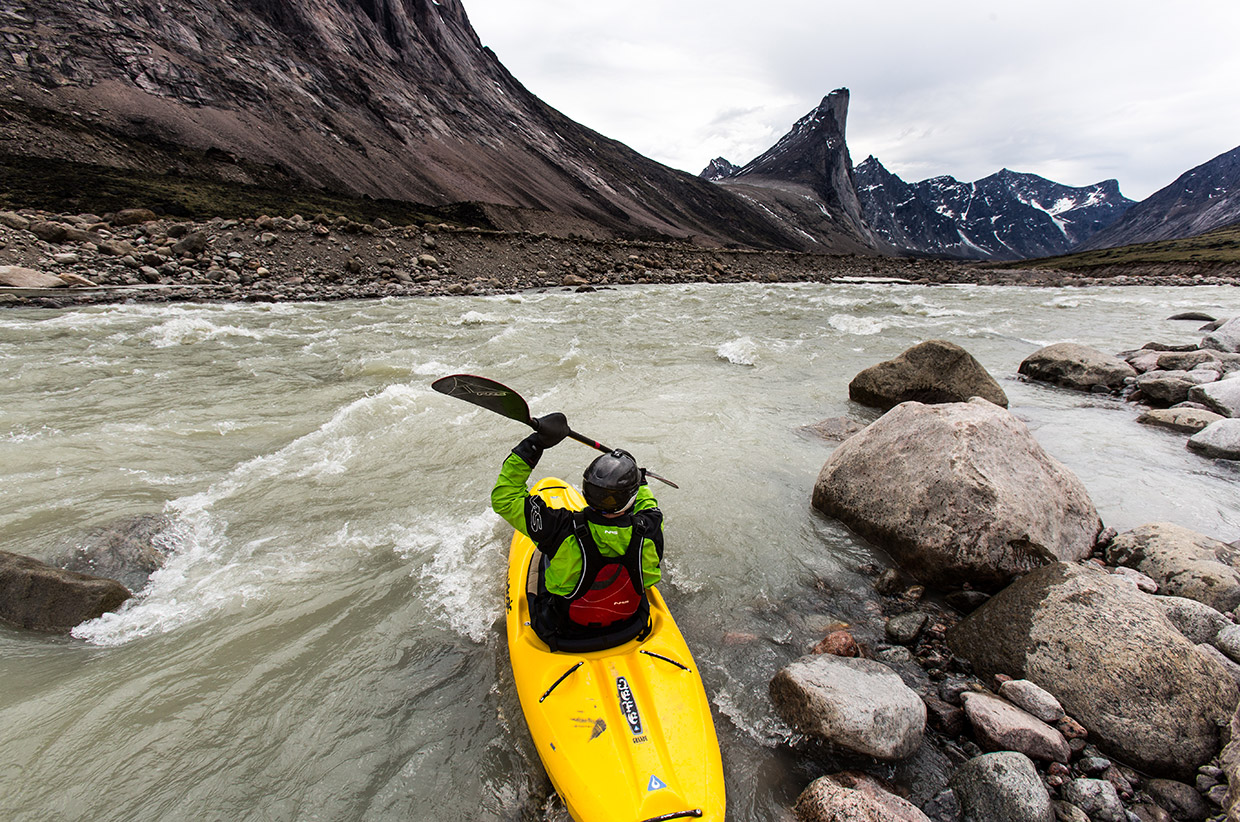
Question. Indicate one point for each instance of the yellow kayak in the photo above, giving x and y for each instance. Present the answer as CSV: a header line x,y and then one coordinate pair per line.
x,y
626,733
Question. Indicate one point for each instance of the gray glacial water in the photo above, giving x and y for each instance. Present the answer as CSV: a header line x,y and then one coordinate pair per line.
x,y
323,643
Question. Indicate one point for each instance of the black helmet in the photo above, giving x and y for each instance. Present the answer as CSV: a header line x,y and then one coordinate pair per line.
x,y
610,483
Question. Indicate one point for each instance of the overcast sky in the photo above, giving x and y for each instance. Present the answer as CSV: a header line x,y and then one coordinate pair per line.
x,y
1077,91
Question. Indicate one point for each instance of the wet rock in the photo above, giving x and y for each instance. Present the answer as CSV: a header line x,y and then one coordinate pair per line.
x,y
1079,367
1184,420
1001,726
38,597
932,372
1199,316
958,492
837,643
1148,812
1225,338
1112,659
905,628
1181,800
1097,797
1001,786
1171,387
1032,699
854,796
836,429
1222,397
966,602
16,276
1067,812
1183,562
128,550
857,704
944,717
1219,440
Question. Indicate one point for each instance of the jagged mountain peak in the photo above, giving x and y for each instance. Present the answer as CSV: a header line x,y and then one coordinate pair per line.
x,y
718,169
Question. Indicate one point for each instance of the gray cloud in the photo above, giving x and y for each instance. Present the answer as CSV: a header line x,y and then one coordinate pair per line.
x,y
1075,91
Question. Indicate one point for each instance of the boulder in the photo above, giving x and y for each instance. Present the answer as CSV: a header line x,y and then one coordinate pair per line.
x,y
1184,563
1075,366
1222,396
1181,799
133,216
1185,420
1196,620
1001,726
1218,440
1116,664
857,704
1097,798
1158,389
959,492
37,596
15,276
128,550
1002,786
1184,360
932,372
1224,338
853,795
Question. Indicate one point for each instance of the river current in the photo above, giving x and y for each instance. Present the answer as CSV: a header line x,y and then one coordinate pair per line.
x,y
325,642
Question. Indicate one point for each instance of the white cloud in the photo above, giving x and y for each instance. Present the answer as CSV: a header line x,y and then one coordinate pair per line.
x,y
1078,91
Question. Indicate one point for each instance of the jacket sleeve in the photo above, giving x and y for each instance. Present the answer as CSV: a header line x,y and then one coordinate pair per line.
x,y
511,499
647,507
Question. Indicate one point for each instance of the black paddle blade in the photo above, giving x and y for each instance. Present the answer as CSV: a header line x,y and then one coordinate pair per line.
x,y
486,394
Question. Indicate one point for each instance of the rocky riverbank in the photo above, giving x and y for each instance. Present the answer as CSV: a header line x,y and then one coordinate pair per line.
x,y
60,260
1031,663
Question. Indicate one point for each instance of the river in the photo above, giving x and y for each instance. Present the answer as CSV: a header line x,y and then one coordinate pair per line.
x,y
325,644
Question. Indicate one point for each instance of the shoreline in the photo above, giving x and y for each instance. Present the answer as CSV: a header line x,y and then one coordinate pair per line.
x,y
92,261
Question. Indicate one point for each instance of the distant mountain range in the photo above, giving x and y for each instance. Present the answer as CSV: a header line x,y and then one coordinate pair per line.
x,y
1006,216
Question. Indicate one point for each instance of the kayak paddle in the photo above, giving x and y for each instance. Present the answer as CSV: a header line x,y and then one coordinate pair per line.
x,y
502,400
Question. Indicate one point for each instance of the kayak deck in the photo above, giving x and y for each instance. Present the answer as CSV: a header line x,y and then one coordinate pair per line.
x,y
624,733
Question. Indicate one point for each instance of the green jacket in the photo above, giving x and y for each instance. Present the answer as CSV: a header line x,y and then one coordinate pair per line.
x,y
551,529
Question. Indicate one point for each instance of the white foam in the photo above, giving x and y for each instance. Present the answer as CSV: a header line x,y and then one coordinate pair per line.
x,y
192,329
462,565
741,351
860,326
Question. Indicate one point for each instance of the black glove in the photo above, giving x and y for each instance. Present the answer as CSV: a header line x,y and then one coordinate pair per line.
x,y
551,429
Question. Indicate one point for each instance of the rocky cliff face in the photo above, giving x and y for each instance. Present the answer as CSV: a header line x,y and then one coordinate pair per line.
x,y
380,98
1200,200
806,181
1006,216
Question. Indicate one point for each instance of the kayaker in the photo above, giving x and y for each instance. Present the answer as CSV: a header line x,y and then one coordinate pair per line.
x,y
597,563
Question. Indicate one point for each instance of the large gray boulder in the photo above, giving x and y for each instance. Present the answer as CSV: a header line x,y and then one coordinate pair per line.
x,y
957,493
1224,338
1218,440
853,795
1222,396
1114,661
1076,366
37,596
1184,563
128,550
933,372
857,704
1002,786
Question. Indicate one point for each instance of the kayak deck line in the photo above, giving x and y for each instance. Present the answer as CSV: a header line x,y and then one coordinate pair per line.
x,y
563,677
665,659
696,813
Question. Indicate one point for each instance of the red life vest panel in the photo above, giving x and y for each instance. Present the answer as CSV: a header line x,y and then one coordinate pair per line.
x,y
610,589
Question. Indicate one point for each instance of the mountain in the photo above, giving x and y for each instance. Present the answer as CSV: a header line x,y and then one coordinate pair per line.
x,y
1006,216
805,181
372,98
1200,200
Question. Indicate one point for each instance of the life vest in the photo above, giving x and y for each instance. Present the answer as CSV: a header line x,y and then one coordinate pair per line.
x,y
611,589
